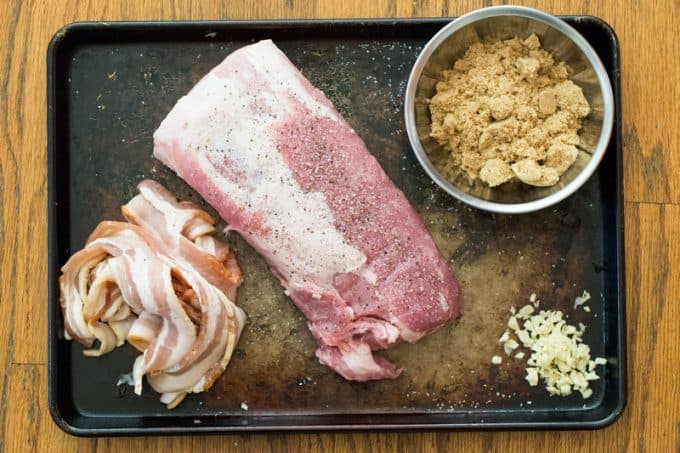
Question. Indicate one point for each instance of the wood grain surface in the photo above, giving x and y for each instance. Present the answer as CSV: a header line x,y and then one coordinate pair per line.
x,y
651,68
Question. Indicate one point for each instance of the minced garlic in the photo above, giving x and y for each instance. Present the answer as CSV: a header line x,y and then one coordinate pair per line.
x,y
581,299
558,355
510,346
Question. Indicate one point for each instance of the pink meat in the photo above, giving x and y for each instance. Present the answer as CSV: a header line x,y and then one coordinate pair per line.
x,y
282,167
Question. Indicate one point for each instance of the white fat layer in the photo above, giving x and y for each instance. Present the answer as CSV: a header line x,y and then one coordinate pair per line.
x,y
76,317
443,302
174,218
142,327
121,329
360,360
274,66
233,118
369,276
138,373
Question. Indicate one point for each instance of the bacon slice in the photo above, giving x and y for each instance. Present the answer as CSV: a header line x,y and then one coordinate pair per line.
x,y
185,233
272,155
143,330
161,282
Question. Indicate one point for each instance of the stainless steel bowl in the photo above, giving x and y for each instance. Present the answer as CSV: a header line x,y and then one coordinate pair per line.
x,y
558,38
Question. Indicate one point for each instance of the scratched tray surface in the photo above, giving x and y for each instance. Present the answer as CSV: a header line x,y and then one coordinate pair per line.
x,y
110,88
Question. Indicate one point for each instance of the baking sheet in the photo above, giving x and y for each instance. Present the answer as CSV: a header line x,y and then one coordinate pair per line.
x,y
110,85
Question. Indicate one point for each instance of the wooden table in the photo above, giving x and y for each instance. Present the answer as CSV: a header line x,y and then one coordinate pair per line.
x,y
651,76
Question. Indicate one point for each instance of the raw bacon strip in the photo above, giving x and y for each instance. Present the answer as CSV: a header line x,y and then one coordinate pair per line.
x,y
73,283
98,300
106,336
143,330
209,364
149,283
184,231
272,155
152,281
121,329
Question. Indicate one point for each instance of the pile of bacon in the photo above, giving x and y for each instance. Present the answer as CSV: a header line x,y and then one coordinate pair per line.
x,y
162,282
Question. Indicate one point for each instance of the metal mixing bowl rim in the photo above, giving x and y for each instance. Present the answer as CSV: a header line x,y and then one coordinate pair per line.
x,y
569,32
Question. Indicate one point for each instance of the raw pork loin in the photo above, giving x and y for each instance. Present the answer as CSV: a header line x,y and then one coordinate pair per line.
x,y
272,155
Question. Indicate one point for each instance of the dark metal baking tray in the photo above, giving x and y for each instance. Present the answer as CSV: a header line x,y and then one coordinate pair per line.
x,y
110,85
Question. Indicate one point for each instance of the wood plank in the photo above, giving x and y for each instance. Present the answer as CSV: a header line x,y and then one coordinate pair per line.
x,y
28,426
652,257
26,111
9,187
